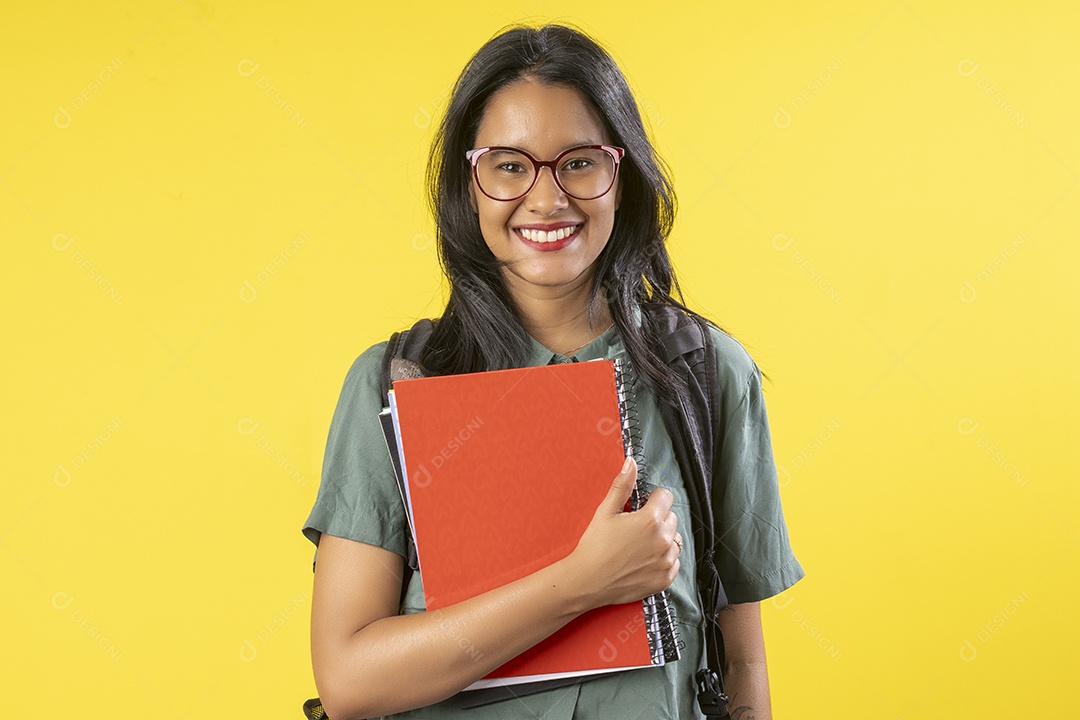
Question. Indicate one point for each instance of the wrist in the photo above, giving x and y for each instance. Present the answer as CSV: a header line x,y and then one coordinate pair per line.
x,y
570,586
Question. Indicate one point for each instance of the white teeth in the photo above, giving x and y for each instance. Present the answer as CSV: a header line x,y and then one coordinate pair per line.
x,y
541,236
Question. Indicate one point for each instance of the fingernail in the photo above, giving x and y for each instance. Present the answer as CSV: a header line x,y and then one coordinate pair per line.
x,y
625,466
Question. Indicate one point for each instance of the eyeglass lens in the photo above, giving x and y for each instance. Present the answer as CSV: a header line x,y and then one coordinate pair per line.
x,y
584,173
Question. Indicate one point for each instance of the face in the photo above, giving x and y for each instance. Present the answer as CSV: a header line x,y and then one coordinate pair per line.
x,y
544,120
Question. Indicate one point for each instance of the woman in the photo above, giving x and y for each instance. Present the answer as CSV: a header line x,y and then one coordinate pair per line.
x,y
548,262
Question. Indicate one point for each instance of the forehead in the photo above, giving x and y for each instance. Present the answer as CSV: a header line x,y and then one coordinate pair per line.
x,y
541,119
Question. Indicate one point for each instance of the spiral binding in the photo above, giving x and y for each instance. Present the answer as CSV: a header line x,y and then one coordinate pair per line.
x,y
664,641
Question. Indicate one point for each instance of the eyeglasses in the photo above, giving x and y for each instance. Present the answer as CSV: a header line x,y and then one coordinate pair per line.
x,y
585,172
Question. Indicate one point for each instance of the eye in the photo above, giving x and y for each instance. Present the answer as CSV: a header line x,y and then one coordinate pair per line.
x,y
578,164
511,167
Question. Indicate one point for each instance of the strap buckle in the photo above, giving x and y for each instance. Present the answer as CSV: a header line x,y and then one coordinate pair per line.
x,y
313,710
711,699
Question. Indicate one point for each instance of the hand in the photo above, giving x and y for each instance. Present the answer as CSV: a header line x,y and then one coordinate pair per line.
x,y
626,556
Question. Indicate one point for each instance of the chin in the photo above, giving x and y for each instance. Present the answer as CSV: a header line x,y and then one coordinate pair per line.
x,y
548,277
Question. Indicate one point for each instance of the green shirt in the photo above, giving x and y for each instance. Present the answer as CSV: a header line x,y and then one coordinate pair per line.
x,y
359,499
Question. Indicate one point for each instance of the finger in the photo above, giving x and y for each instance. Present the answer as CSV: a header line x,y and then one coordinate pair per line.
x,y
621,488
671,522
660,501
672,571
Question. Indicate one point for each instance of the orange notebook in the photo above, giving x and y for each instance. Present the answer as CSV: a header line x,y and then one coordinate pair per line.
x,y
503,472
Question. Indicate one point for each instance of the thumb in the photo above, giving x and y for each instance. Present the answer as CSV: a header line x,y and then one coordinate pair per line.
x,y
621,488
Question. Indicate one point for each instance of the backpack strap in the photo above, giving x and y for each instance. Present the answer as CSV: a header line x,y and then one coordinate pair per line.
x,y
402,361
402,357
685,343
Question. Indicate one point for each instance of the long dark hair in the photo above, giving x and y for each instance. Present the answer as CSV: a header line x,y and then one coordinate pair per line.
x,y
480,328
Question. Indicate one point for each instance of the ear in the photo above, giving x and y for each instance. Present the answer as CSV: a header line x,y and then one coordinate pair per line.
x,y
472,198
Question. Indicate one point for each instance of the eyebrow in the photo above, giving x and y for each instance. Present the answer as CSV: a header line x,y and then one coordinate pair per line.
x,y
561,150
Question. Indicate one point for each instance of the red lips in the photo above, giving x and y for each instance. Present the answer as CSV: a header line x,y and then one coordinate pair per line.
x,y
548,246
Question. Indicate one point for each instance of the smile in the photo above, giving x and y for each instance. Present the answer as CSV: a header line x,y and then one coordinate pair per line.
x,y
539,236
550,239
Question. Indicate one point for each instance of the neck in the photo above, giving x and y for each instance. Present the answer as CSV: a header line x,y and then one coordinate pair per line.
x,y
558,318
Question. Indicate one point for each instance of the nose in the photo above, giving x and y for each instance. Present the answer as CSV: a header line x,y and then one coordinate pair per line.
x,y
546,196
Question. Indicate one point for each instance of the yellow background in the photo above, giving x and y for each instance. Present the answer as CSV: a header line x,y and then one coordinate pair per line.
x,y
209,209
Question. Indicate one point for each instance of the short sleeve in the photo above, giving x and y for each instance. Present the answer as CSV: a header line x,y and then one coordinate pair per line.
x,y
358,495
755,556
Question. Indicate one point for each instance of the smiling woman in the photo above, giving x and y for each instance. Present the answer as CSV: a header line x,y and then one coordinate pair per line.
x,y
525,213
552,212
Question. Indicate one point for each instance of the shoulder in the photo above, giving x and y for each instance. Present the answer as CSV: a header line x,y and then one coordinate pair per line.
x,y
367,368
739,396
363,380
737,374
368,363
736,370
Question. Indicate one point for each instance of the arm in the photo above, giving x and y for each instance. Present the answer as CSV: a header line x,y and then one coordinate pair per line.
x,y
746,677
755,542
369,661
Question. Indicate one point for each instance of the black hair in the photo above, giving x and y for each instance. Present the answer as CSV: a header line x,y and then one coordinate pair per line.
x,y
480,328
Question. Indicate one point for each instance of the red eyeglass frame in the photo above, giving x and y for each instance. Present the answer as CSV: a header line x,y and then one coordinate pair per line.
x,y
616,154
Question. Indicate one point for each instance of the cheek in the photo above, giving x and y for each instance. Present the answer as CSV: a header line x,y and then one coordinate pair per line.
x,y
494,220
604,215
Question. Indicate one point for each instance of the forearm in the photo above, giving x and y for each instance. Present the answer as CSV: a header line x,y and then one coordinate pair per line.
x,y
747,686
746,675
409,661
369,661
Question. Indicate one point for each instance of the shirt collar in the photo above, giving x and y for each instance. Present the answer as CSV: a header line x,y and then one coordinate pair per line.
x,y
607,345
